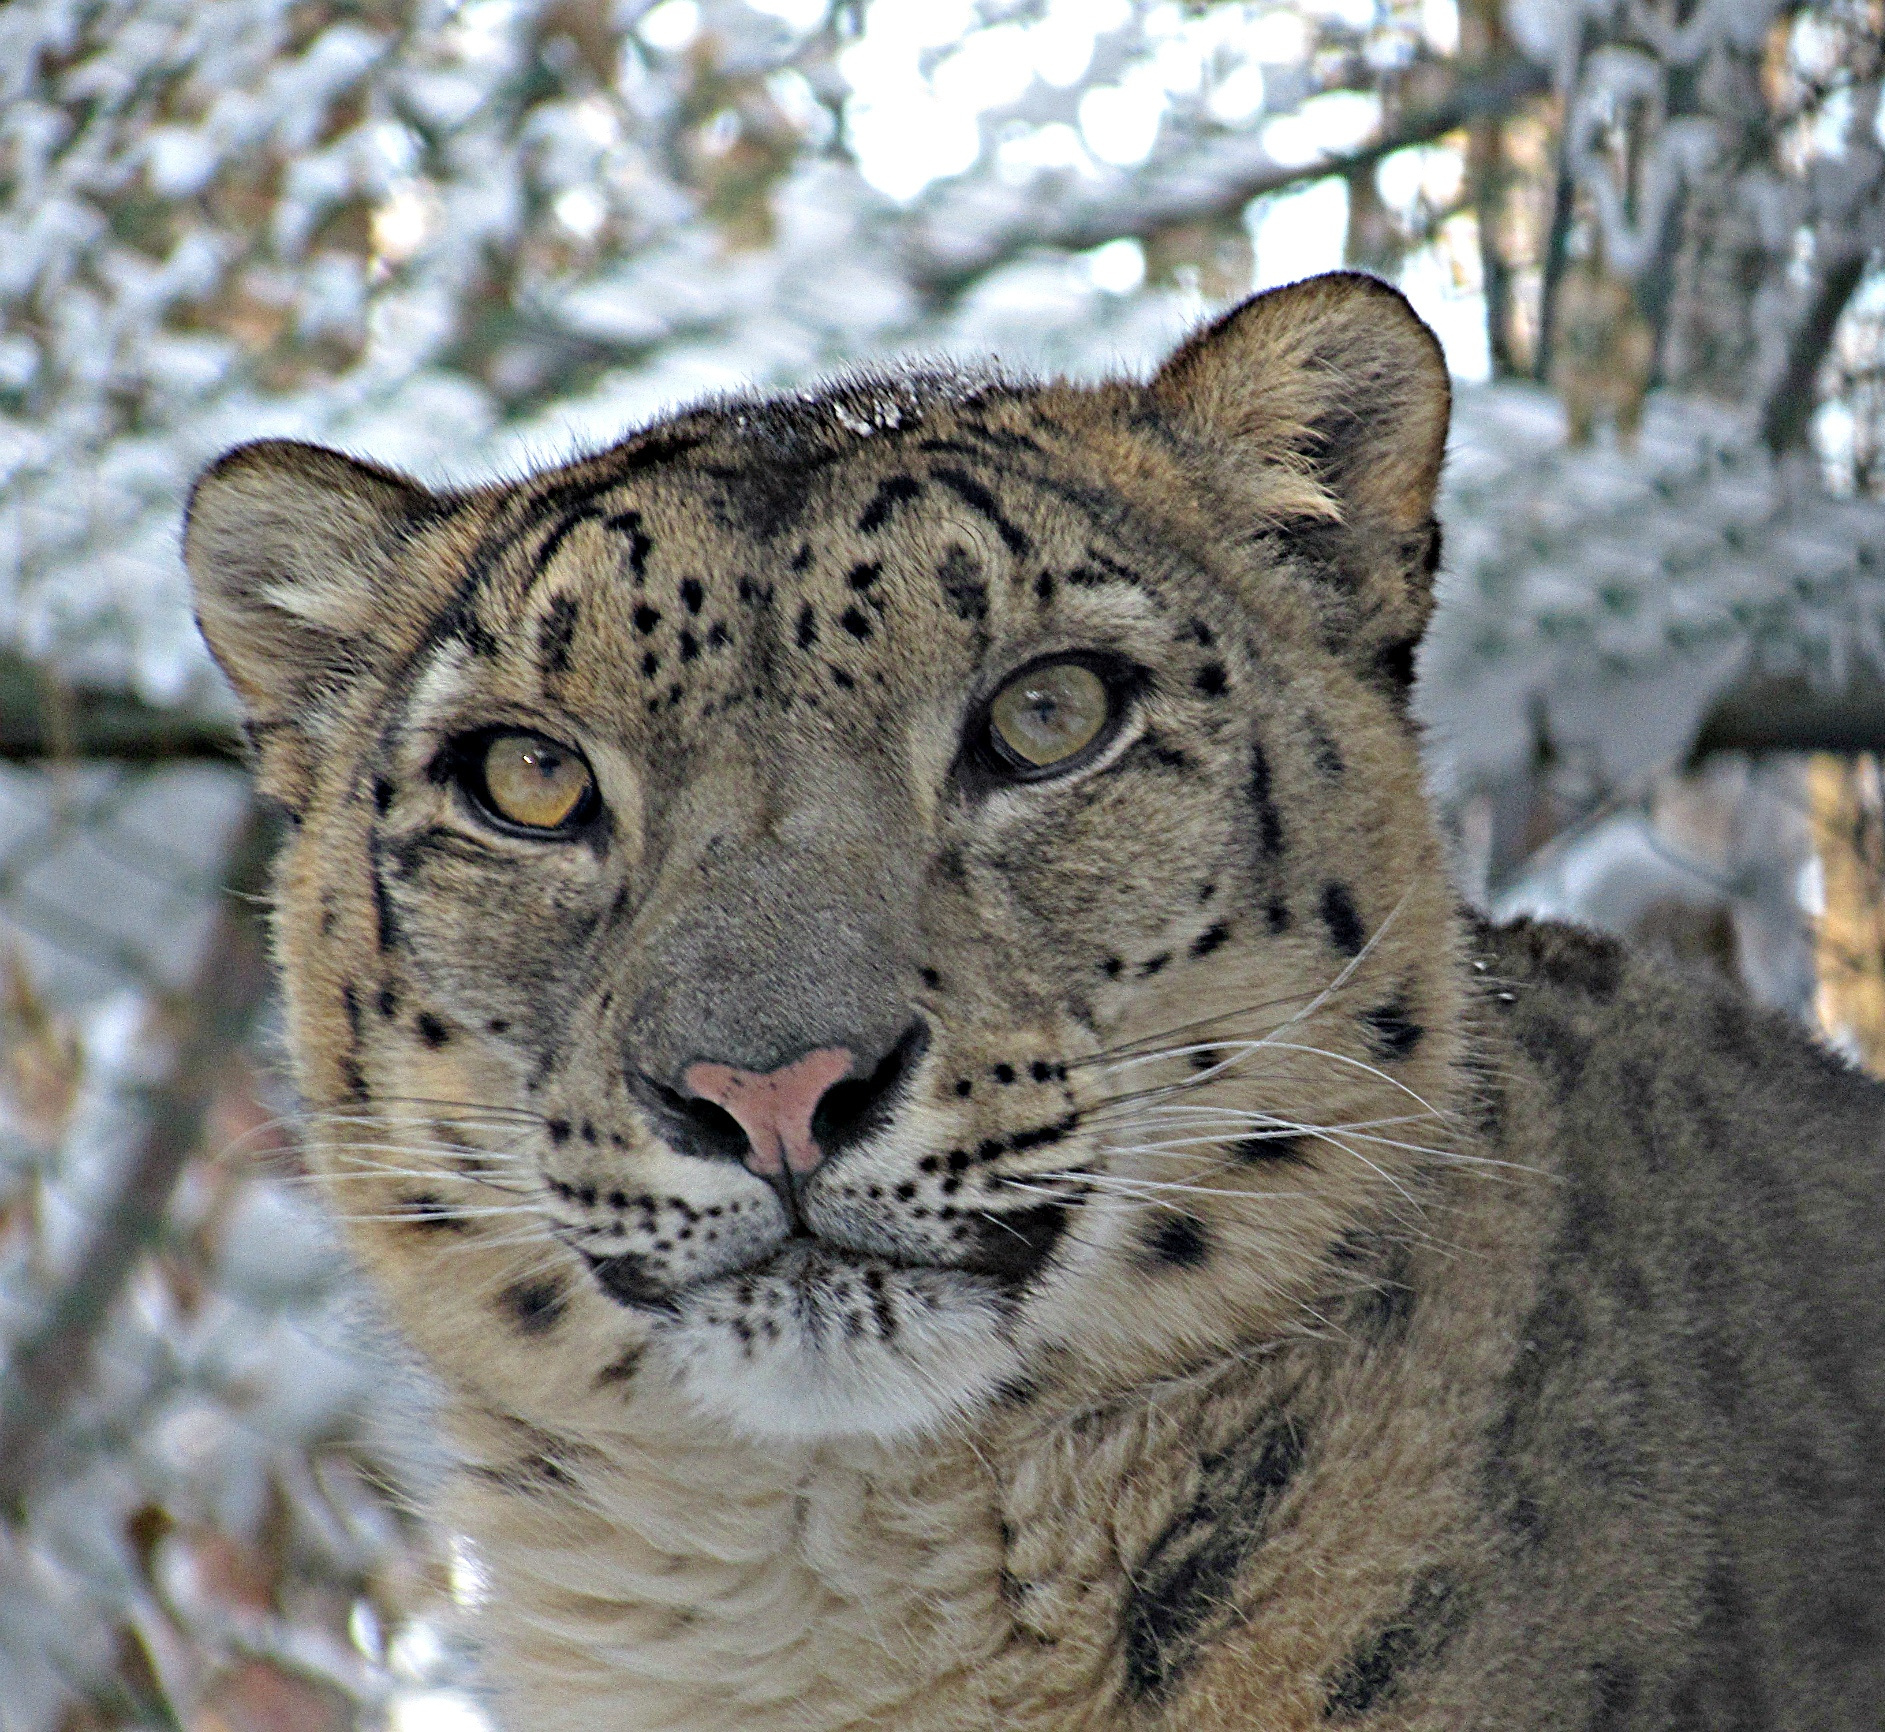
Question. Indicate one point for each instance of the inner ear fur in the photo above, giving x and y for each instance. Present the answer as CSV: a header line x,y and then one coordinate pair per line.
x,y
301,561
1328,400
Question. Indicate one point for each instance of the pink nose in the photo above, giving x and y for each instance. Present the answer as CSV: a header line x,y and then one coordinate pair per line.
x,y
774,1107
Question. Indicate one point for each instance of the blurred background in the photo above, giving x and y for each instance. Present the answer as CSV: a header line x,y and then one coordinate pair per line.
x,y
466,236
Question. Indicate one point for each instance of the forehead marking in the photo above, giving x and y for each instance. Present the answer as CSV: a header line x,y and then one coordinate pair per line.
x,y
981,501
891,492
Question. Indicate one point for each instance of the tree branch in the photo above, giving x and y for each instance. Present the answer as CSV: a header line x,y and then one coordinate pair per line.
x,y
1788,411
1213,183
50,1368
1769,714
42,718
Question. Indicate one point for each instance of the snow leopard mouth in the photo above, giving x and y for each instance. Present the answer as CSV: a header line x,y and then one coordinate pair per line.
x,y
1006,1252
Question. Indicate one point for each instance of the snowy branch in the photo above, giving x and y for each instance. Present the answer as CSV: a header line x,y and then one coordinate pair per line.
x,y
49,1369
945,256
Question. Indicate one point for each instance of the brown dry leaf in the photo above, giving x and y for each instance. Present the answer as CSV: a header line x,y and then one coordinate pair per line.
x,y
41,1062
230,1573
1848,800
254,1696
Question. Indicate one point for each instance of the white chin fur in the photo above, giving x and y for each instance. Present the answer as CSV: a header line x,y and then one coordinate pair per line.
x,y
817,1377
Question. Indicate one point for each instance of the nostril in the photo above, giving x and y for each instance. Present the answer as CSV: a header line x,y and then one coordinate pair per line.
x,y
851,1110
694,1126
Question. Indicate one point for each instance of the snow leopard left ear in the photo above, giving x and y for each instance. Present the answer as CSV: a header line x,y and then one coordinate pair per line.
x,y
304,568
1336,386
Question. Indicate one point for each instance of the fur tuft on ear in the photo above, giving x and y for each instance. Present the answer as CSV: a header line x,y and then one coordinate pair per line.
x,y
297,554
1337,381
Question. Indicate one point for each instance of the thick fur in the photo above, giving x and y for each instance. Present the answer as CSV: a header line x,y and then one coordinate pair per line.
x,y
1257,1296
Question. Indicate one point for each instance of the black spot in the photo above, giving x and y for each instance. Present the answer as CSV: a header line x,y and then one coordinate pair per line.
x,y
619,1370
1393,1030
891,492
842,680
1557,1048
1178,1241
929,977
1112,967
1004,1073
430,1215
350,1005
863,576
692,595
1612,1696
1584,962
1188,1577
1211,679
1373,1674
652,448
718,637
1044,587
1210,939
1381,1304
460,623
978,499
1327,754
536,1307
1272,1148
531,1475
1263,803
1724,1690
808,627
555,632
962,584
388,1002
650,663
1276,914
1340,917
433,1032
382,796
1153,964
1014,1247
855,623
1395,664
647,618
628,524
690,646
1200,633
1151,748
626,1280
1038,1136
558,1129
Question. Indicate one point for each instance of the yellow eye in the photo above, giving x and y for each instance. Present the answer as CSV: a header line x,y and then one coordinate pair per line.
x,y
533,782
1048,714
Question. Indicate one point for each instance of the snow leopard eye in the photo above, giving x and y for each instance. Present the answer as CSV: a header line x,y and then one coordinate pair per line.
x,y
527,783
1053,716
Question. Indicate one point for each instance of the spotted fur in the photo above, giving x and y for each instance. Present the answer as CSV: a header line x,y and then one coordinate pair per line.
x,y
1240,1293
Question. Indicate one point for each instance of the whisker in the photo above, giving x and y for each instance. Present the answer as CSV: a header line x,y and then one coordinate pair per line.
x,y
1108,1055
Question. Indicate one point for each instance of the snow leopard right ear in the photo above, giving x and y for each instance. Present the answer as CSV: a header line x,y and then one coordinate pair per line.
x,y
304,569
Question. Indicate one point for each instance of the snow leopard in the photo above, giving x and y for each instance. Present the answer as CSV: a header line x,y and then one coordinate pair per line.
x,y
876,986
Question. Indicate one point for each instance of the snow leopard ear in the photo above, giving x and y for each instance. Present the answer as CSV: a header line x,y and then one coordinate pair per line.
x,y
303,567
1336,383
